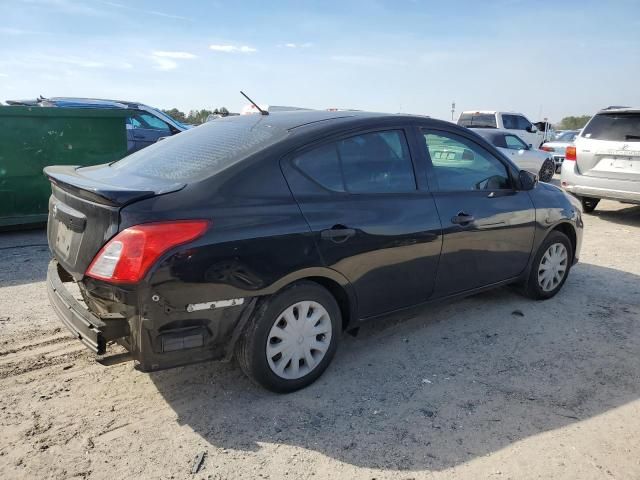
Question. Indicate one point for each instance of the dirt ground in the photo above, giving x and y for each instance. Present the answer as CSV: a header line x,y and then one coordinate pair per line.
x,y
494,386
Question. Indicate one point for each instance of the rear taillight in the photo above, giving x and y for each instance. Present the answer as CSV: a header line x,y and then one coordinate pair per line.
x,y
570,154
127,257
547,149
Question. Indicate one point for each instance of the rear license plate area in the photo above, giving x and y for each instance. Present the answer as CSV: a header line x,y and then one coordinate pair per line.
x,y
64,237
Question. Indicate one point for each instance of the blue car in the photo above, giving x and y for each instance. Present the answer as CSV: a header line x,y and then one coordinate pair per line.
x,y
144,127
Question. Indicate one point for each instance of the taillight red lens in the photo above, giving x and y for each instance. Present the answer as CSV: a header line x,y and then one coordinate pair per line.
x,y
547,149
127,257
570,154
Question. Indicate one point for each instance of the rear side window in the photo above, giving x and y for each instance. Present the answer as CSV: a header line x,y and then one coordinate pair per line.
x,y
377,162
478,120
202,151
618,127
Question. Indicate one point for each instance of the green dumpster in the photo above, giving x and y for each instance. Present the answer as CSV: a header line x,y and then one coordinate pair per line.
x,y
33,137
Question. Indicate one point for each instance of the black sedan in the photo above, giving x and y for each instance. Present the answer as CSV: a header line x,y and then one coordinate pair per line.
x,y
267,236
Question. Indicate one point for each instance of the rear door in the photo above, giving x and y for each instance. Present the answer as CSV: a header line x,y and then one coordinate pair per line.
x,y
370,219
609,146
487,224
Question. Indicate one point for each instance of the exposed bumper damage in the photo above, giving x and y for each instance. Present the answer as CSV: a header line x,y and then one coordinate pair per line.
x,y
161,337
90,329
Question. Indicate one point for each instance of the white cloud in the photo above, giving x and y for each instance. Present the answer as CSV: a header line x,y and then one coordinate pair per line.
x,y
298,45
164,64
232,48
179,55
166,60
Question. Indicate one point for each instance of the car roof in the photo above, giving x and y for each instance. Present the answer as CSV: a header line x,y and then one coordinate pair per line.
x,y
491,112
319,119
619,109
492,132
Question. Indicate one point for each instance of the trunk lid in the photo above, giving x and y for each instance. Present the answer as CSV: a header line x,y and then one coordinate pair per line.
x,y
84,209
609,146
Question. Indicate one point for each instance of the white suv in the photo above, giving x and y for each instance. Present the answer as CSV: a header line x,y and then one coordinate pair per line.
x,y
516,123
605,161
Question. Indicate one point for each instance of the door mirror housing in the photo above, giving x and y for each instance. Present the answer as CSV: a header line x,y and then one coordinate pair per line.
x,y
532,129
528,180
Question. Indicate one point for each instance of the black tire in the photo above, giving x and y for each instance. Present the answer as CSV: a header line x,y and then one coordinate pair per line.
x,y
589,204
532,288
251,349
547,170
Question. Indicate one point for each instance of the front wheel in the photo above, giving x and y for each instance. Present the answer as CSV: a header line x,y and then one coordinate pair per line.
x,y
291,339
547,170
550,267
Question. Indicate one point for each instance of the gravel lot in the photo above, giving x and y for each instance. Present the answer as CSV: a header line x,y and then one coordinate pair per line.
x,y
494,386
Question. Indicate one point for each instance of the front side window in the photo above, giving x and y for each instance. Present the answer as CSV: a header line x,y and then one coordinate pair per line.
x,y
462,165
523,123
145,120
377,162
514,143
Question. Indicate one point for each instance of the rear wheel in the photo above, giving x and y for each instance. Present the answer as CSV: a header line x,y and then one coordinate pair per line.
x,y
547,170
550,266
292,338
589,204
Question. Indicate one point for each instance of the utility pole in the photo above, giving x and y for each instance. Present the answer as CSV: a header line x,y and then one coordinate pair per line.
x,y
453,109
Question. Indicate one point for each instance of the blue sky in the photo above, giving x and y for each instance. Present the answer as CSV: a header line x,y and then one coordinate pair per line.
x,y
542,58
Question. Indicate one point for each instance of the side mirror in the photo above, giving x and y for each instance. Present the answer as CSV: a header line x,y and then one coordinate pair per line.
x,y
530,146
532,129
528,180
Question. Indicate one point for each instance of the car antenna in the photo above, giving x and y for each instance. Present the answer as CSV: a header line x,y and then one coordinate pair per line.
x,y
262,112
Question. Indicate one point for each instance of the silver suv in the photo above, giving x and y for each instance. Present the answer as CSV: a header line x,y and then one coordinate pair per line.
x,y
605,161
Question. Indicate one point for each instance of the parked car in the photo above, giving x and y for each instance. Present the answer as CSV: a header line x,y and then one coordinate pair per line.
x,y
605,161
267,236
530,159
558,146
145,127
515,122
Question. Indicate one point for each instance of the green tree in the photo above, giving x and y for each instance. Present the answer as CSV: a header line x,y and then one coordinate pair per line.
x,y
176,114
573,123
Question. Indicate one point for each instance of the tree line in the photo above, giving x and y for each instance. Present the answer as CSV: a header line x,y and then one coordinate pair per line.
x,y
195,117
573,123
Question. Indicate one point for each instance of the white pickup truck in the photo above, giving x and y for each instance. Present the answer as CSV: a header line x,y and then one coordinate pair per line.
x,y
516,123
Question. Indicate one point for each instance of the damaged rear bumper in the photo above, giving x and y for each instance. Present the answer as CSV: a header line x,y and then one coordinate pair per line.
x,y
90,329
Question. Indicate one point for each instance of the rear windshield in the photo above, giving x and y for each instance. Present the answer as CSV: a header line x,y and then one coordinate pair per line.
x,y
202,151
478,120
617,127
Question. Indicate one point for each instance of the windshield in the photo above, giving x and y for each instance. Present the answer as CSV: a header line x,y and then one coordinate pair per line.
x,y
203,151
619,127
478,120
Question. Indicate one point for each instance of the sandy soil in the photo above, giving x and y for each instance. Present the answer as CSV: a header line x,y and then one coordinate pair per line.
x,y
465,390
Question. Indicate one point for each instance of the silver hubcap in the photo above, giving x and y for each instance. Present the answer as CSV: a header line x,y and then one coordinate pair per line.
x,y
553,267
298,340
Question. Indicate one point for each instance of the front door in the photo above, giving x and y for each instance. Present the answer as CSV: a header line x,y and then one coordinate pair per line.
x,y
487,224
371,221
147,129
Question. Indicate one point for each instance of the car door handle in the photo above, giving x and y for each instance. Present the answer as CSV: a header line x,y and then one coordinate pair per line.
x,y
337,235
138,136
462,219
